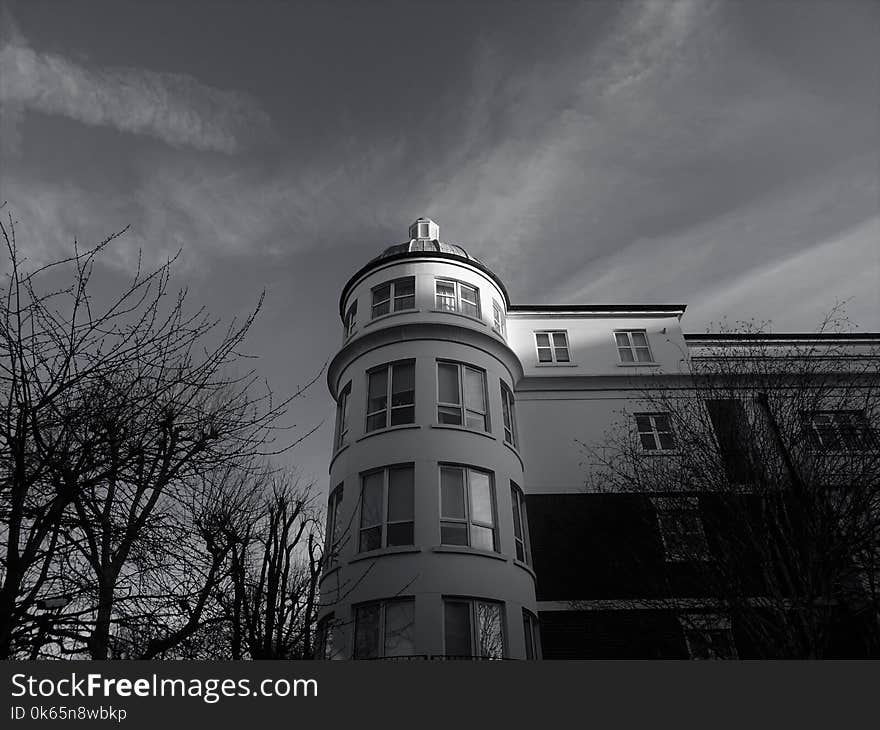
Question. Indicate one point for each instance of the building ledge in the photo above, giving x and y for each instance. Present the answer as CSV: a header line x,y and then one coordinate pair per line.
x,y
460,314
390,315
378,431
465,550
382,552
516,453
526,567
463,429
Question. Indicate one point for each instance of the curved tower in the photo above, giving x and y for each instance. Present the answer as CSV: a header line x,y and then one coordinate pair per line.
x,y
427,546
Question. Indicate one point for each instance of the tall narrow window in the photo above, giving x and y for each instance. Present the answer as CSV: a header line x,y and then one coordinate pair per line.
x,y
552,346
632,346
342,416
351,319
655,431
732,432
391,395
387,508
397,295
456,296
498,321
334,527
520,524
467,508
681,528
461,396
473,628
509,414
327,645
530,634
384,629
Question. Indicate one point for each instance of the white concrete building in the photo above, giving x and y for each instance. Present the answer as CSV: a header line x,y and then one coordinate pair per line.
x,y
454,405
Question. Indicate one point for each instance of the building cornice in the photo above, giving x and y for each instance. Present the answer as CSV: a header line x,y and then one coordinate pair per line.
x,y
597,310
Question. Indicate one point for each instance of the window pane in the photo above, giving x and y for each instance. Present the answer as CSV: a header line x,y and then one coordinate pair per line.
x,y
399,623
667,441
399,416
626,355
453,533
482,537
648,441
405,287
378,390
476,420
621,339
366,639
401,303
559,339
403,384
474,390
452,493
400,494
449,415
377,421
371,509
561,354
400,533
517,523
381,293
457,628
520,551
489,630
643,354
643,423
639,339
371,539
543,339
481,498
544,354
529,636
447,383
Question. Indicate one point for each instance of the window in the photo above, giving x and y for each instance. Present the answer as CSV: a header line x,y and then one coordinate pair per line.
x,y
384,629
467,508
552,346
708,636
655,431
326,640
391,395
396,296
387,508
455,296
731,428
461,396
498,322
632,346
681,528
840,430
350,320
342,417
473,628
334,529
509,415
530,634
520,524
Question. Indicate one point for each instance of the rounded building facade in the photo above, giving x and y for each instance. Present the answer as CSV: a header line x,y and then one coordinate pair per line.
x,y
427,550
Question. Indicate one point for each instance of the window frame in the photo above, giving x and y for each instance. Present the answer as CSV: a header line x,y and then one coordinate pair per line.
x,y
462,405
476,646
711,623
672,505
324,641
531,629
382,629
389,408
499,318
632,348
349,322
843,433
343,417
518,507
552,347
385,506
393,297
457,298
332,539
508,415
656,433
468,520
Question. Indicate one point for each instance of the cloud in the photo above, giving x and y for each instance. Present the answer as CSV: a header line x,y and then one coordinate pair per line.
x,y
175,108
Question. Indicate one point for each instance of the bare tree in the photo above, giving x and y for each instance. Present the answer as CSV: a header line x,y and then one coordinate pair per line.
x,y
763,459
117,421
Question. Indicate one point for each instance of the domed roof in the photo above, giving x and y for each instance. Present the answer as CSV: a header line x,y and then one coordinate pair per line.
x,y
422,245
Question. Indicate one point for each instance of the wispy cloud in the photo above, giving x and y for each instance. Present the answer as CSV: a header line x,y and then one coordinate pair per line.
x,y
175,108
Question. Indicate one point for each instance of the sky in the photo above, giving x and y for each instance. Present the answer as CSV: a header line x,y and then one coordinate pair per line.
x,y
725,155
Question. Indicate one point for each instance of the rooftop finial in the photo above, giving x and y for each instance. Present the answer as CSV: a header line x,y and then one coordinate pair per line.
x,y
425,229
